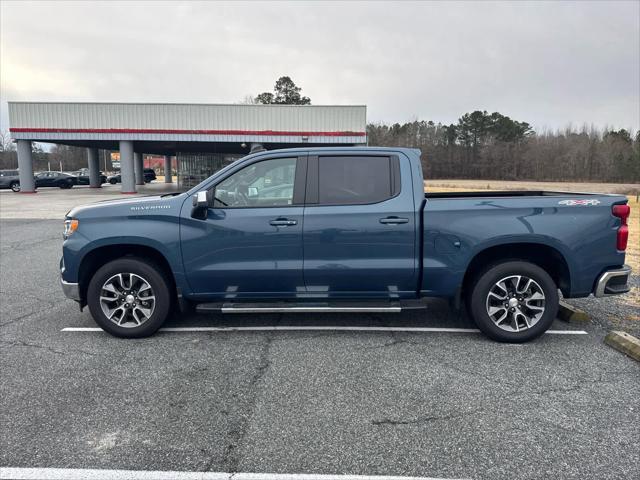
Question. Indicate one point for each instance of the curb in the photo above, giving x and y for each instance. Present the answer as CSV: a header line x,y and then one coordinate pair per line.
x,y
625,343
571,314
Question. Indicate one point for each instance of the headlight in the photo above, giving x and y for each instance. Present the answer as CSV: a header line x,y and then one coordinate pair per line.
x,y
70,226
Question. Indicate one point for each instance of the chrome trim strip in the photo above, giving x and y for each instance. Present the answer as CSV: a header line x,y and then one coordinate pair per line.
x,y
310,309
625,271
71,290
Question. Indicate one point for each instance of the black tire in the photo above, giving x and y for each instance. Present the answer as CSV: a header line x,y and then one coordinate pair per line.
x,y
113,181
151,274
15,186
477,302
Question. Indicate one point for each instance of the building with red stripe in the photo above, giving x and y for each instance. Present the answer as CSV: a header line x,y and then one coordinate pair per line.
x,y
200,136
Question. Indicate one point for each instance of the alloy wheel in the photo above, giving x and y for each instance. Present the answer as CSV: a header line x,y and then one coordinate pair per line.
x,y
127,300
515,303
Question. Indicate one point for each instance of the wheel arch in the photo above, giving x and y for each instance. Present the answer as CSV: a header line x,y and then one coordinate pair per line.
x,y
545,256
102,255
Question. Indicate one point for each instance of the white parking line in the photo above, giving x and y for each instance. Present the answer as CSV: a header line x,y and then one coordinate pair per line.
x,y
90,474
567,332
292,328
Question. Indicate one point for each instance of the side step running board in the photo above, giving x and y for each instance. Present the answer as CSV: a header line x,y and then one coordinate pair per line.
x,y
311,307
302,309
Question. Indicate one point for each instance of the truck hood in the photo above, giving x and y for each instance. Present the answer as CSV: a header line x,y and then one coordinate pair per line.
x,y
128,206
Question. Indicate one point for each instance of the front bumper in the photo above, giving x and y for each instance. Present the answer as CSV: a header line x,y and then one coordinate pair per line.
x,y
613,282
71,290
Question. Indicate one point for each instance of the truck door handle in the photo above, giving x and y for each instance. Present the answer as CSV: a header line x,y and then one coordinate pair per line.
x,y
394,220
283,222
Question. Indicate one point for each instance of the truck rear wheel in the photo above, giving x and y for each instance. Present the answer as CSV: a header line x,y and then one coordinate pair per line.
x,y
129,297
513,301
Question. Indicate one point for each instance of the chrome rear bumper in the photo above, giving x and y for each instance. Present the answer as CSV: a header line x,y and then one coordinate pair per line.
x,y
613,282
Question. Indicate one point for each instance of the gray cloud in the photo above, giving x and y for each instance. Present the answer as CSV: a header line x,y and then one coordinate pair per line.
x,y
547,63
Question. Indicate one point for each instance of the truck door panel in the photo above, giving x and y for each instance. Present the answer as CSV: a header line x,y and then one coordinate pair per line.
x,y
250,244
359,227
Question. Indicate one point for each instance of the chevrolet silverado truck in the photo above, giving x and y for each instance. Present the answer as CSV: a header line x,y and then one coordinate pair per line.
x,y
346,230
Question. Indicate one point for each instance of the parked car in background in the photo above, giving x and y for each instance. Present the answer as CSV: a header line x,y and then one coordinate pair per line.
x,y
149,176
84,179
55,179
10,179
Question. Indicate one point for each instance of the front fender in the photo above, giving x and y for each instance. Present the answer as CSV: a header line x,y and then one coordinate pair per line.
x,y
162,235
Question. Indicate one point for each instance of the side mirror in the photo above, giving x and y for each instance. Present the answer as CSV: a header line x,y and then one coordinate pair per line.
x,y
200,199
200,205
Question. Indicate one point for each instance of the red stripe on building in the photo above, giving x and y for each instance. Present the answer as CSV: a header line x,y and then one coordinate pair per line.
x,y
188,132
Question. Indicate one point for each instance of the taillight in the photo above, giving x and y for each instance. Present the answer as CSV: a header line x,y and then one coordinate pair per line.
x,y
623,237
622,212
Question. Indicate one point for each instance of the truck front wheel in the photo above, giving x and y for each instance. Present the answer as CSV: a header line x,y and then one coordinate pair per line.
x,y
129,297
513,301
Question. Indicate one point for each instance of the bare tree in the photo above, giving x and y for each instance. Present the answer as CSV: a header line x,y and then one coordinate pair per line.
x,y
8,156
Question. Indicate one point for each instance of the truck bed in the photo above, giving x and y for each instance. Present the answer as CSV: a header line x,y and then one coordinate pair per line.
x,y
577,230
502,193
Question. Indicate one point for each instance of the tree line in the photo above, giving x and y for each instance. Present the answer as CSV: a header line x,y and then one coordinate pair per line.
x,y
495,147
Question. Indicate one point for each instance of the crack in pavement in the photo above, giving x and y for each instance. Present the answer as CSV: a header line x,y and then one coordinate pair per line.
x,y
42,310
420,420
22,343
231,455
395,341
235,437
475,373
509,395
17,319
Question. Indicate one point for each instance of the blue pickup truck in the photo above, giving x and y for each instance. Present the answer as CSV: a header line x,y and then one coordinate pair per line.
x,y
342,229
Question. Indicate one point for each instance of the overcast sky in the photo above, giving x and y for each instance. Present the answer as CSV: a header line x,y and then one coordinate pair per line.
x,y
546,63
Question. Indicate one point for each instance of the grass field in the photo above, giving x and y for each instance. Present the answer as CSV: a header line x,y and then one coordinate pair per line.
x,y
623,188
630,190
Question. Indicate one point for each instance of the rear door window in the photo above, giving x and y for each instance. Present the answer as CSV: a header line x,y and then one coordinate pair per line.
x,y
354,180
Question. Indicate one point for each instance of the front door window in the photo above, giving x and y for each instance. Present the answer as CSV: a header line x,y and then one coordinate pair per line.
x,y
262,184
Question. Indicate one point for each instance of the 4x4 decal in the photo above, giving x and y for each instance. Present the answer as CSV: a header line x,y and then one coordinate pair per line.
x,y
573,203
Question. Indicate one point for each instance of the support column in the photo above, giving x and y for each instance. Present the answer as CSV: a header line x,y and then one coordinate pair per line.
x,y
127,175
25,166
94,167
167,169
139,167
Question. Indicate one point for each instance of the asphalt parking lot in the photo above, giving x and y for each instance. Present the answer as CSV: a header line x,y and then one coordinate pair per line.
x,y
389,402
